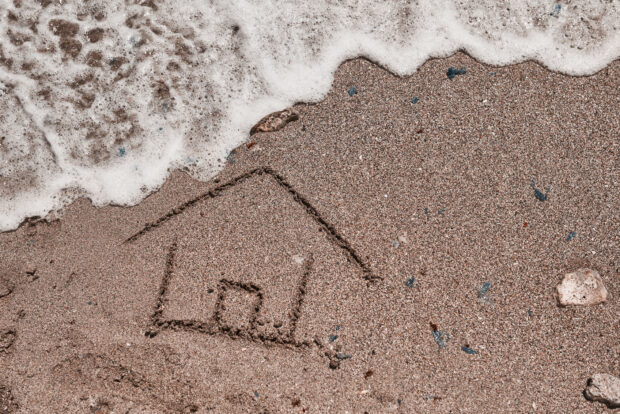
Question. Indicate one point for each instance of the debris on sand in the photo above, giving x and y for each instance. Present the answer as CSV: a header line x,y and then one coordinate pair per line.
x,y
452,72
352,90
441,338
468,350
539,194
603,388
483,293
582,287
571,235
409,282
415,100
275,121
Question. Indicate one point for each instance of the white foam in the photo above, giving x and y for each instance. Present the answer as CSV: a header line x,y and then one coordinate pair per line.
x,y
182,83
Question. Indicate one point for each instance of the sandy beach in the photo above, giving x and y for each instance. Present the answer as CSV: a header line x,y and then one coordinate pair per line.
x,y
395,249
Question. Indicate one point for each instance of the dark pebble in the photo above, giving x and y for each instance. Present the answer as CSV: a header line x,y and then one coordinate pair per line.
x,y
452,72
539,194
468,350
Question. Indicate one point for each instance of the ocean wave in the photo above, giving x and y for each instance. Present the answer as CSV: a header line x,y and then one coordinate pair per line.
x,y
103,99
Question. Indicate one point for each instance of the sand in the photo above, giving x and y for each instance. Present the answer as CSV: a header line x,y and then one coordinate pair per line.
x,y
374,255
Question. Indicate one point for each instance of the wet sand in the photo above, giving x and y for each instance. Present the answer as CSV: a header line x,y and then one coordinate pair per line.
x,y
375,255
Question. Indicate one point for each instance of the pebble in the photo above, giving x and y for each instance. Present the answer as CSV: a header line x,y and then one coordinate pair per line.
x,y
468,350
483,293
415,100
452,72
582,287
604,388
441,338
352,91
409,282
275,121
540,196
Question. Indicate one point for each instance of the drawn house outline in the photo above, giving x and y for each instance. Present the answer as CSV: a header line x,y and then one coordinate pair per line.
x,y
215,324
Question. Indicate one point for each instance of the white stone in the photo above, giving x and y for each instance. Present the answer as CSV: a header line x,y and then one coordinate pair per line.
x,y
604,388
582,287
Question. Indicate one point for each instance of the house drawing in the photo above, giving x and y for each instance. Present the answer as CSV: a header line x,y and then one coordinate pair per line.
x,y
222,287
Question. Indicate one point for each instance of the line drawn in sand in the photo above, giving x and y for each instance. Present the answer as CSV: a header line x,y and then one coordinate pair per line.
x,y
233,295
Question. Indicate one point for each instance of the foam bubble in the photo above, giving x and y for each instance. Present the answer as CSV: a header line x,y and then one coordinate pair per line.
x,y
103,99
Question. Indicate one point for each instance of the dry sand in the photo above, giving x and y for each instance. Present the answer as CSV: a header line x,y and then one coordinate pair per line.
x,y
341,263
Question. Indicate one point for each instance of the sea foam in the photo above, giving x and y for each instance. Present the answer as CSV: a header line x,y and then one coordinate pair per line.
x,y
104,98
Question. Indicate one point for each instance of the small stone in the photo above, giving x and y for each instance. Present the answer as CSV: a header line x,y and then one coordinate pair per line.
x,y
452,72
275,121
468,350
583,287
604,388
441,338
415,100
540,196
409,282
352,91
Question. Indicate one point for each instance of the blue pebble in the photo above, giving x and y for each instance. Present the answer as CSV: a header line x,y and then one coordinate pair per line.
x,y
415,100
530,313
409,282
492,73
571,235
556,10
540,196
352,90
468,350
452,72
333,338
255,394
121,151
484,289
440,338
